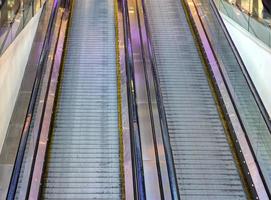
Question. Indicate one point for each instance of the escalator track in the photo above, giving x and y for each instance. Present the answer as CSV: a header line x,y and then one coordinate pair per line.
x,y
83,152
204,162
178,143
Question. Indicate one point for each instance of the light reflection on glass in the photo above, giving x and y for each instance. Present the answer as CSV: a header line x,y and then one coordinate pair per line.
x,y
14,15
249,14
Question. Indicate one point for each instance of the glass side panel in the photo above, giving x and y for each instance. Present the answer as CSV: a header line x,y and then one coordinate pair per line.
x,y
14,16
249,14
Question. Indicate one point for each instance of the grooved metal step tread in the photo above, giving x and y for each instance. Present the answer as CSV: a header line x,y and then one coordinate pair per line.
x,y
83,154
204,164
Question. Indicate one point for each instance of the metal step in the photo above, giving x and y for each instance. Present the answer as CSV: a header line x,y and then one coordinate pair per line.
x,y
204,164
83,155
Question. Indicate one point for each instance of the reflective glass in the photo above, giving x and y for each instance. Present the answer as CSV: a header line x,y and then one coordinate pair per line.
x,y
14,16
251,15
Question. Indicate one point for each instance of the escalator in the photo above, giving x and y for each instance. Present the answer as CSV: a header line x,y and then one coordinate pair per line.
x,y
204,163
83,152
258,131
175,142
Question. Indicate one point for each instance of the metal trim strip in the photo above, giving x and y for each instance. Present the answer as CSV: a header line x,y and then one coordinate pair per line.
x,y
124,126
48,112
162,116
165,175
137,163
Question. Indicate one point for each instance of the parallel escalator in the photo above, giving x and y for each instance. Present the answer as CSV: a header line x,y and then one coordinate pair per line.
x,y
83,154
83,159
204,162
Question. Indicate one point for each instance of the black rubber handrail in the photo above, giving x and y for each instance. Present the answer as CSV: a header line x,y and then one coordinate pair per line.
x,y
138,173
29,116
243,68
162,114
231,95
251,87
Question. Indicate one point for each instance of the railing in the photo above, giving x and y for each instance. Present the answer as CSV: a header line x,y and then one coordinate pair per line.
x,y
249,15
250,110
12,27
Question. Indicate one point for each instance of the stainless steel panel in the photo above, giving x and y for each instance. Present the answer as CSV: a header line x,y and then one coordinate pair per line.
x,y
151,178
126,134
153,104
